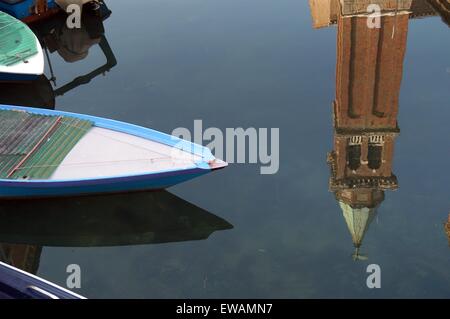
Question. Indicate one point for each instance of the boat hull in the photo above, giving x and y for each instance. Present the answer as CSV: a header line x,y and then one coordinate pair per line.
x,y
14,190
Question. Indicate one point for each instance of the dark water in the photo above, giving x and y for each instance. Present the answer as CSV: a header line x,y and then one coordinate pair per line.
x,y
237,233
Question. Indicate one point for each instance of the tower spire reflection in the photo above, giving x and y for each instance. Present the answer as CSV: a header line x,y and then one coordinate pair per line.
x,y
368,78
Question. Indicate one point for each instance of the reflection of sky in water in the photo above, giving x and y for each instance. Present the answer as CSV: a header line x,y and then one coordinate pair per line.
x,y
260,64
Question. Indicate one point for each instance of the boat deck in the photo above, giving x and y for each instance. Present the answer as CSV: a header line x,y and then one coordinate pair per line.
x,y
33,146
17,42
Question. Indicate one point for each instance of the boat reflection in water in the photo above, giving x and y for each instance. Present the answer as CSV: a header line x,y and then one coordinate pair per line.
x,y
106,220
72,45
37,93
368,78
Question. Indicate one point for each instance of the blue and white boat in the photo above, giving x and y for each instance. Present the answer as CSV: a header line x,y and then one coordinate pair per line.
x,y
45,153
21,55
18,284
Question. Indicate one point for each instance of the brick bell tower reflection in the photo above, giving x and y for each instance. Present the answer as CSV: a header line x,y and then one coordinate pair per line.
x,y
368,79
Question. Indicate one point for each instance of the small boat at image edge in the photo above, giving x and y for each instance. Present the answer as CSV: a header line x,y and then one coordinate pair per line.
x,y
45,153
18,284
21,55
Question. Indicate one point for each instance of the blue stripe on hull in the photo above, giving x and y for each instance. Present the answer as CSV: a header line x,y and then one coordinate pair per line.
x,y
118,185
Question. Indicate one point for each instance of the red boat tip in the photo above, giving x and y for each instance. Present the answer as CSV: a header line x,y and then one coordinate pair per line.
x,y
217,164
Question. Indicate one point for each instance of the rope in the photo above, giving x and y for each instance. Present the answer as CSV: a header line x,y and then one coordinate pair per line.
x,y
153,160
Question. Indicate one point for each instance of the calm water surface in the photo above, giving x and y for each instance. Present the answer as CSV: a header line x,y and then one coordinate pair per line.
x,y
237,233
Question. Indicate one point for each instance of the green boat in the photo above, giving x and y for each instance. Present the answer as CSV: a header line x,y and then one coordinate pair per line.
x,y
21,56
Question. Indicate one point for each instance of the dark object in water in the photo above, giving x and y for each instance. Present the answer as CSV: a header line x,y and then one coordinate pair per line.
x,y
38,93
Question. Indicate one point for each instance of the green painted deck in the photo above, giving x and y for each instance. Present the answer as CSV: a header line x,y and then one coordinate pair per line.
x,y
17,41
33,146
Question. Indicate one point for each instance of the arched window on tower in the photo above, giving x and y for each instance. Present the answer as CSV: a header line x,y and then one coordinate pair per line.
x,y
375,151
374,156
354,156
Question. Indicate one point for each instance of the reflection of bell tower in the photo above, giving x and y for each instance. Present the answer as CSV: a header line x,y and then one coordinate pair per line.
x,y
368,78
24,257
